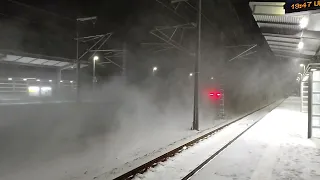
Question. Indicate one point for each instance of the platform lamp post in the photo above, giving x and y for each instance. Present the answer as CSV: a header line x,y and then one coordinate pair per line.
x,y
94,78
124,60
78,60
195,124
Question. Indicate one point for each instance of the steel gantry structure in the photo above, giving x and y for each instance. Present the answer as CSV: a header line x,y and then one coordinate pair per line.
x,y
96,44
170,42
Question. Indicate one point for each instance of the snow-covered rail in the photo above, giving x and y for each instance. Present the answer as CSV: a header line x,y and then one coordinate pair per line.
x,y
151,164
199,167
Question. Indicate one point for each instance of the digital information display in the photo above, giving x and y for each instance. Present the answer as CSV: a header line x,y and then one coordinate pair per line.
x,y
301,5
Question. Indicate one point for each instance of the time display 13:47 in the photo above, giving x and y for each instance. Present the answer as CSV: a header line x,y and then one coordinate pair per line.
x,y
304,5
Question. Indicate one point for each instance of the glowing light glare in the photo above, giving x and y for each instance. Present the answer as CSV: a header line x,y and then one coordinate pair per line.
x,y
211,78
155,69
33,89
301,65
38,80
46,88
25,79
71,81
304,22
313,69
50,80
300,45
9,79
61,81
191,74
215,95
96,58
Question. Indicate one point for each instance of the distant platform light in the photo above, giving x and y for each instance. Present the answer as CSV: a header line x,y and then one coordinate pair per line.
x,y
9,79
46,88
71,81
191,74
211,78
304,22
34,90
300,45
155,69
50,80
25,79
38,80
61,81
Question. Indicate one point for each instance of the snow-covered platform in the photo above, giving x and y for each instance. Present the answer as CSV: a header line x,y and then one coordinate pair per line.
x,y
275,148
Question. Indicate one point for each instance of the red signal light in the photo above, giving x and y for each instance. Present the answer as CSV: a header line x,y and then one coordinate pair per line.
x,y
215,95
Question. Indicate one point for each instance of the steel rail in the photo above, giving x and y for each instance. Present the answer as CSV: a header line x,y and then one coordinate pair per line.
x,y
207,161
144,167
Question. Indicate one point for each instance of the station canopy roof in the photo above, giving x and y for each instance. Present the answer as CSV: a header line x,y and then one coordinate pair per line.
x,y
293,36
28,59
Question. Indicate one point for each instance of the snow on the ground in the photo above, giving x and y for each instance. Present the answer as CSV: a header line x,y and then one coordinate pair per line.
x,y
61,158
179,166
276,148
94,156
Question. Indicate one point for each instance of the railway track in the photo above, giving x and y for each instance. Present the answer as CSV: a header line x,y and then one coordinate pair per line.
x,y
143,168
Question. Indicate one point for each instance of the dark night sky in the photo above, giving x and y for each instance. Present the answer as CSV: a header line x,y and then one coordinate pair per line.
x,y
115,10
111,10
55,20
113,15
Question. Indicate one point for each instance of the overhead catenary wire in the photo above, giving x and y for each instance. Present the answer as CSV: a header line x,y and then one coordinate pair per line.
x,y
239,55
174,11
164,5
